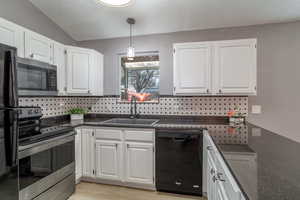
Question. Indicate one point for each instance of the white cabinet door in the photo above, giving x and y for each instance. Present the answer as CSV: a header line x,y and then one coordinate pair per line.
x,y
12,35
96,74
59,59
220,193
108,159
192,68
38,47
88,152
139,163
79,64
235,67
78,157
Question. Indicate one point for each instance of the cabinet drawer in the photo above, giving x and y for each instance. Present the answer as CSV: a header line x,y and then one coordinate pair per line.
x,y
139,135
110,134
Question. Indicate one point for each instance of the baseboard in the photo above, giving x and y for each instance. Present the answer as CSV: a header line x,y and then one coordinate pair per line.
x,y
119,183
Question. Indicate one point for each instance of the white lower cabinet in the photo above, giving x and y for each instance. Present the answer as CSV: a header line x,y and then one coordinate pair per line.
x,y
139,163
108,156
78,157
88,152
220,184
118,156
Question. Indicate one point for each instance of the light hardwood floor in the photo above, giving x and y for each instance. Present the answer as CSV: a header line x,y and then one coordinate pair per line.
x,y
91,191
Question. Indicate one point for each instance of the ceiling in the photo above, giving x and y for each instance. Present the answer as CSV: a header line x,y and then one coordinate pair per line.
x,y
87,19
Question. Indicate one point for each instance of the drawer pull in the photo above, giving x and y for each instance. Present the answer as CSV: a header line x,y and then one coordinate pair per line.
x,y
196,186
209,148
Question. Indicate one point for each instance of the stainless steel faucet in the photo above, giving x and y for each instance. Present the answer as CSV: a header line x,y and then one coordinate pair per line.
x,y
133,108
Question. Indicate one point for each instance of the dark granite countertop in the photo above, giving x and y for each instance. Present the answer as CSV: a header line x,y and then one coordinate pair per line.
x,y
265,165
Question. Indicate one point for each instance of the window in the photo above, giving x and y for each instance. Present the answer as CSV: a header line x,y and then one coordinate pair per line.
x,y
140,78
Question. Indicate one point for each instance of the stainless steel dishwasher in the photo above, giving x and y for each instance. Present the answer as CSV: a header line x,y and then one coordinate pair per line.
x,y
179,160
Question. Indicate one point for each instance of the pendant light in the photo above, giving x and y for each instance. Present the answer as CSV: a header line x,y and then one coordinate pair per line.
x,y
130,50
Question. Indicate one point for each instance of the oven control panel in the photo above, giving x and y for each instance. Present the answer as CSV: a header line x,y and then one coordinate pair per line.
x,y
30,112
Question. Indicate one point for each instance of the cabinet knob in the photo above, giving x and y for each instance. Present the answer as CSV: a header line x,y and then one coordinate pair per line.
x,y
207,91
31,55
220,91
212,171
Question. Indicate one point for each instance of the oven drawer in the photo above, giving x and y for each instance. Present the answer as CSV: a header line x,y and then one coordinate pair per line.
x,y
37,188
61,191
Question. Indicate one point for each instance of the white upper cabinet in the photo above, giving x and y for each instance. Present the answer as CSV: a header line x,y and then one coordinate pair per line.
x,y
192,68
139,163
38,47
84,71
108,159
96,74
59,59
215,68
12,35
79,66
235,63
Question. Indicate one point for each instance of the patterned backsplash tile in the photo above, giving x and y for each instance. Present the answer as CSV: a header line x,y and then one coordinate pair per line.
x,y
189,106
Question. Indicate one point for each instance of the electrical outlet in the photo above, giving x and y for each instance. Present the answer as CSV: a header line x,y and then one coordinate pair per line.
x,y
256,109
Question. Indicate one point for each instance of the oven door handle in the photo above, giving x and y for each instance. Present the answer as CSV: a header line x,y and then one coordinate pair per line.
x,y
32,149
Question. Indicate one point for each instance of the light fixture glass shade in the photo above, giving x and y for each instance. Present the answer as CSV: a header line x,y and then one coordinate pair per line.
x,y
130,53
115,3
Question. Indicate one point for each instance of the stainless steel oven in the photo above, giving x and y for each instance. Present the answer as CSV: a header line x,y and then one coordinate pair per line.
x,y
35,78
47,168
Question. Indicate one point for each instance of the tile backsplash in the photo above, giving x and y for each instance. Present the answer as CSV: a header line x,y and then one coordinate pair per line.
x,y
189,106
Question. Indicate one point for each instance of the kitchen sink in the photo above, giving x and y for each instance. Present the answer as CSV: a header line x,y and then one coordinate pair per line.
x,y
125,121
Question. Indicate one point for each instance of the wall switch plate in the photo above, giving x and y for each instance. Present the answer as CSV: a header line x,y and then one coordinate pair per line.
x,y
256,132
256,109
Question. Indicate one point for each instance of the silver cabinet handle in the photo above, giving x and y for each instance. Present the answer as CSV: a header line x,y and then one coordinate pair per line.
x,y
178,183
209,148
214,179
219,175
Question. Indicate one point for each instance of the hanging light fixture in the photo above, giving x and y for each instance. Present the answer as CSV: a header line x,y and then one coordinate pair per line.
x,y
130,50
115,3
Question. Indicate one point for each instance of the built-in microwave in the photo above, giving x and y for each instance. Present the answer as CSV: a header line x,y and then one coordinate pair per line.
x,y
35,78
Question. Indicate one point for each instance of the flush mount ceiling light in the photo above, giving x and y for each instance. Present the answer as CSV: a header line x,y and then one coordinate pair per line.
x,y
115,3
